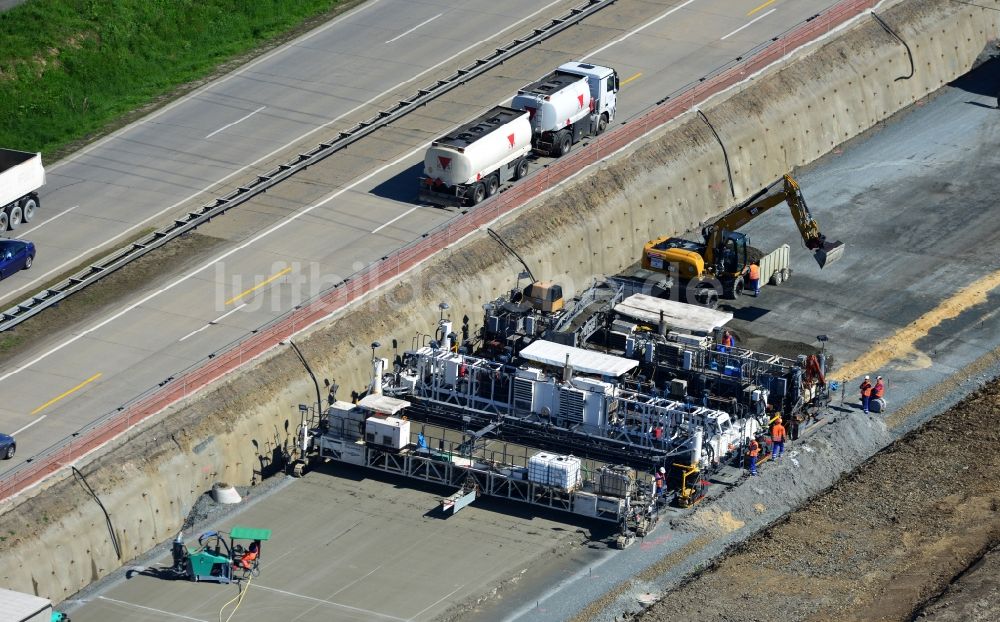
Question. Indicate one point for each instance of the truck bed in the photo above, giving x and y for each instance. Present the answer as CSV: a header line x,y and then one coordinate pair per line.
x,y
21,173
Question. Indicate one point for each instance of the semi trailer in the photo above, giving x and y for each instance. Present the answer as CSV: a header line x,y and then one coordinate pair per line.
x,y
21,175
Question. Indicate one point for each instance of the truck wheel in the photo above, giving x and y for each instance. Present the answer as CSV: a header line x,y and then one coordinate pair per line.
x,y
565,144
602,123
28,209
14,219
3,220
706,296
776,278
521,170
478,194
735,290
786,274
492,185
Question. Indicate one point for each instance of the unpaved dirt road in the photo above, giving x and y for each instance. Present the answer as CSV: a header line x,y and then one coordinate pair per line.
x,y
879,544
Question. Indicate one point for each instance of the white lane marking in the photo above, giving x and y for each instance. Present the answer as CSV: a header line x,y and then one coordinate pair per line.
x,y
249,242
240,120
638,30
406,213
144,608
435,603
396,38
330,602
29,425
62,267
280,225
60,214
194,94
213,322
758,18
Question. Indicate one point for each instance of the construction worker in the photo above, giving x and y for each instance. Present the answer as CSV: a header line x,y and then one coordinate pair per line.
x,y
755,278
777,440
660,480
878,391
753,451
866,392
246,560
727,341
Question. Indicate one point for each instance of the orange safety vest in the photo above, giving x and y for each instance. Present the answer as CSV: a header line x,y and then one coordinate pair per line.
x,y
754,449
754,272
866,389
727,340
878,390
778,434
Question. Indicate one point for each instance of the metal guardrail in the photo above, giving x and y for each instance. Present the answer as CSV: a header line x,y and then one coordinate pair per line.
x,y
122,256
321,306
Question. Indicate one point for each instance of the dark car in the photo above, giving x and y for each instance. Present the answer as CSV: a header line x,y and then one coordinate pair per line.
x,y
15,255
7,446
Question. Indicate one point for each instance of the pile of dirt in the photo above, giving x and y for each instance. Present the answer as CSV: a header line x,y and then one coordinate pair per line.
x,y
876,546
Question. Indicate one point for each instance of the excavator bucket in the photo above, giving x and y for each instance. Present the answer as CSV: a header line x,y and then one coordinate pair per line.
x,y
829,253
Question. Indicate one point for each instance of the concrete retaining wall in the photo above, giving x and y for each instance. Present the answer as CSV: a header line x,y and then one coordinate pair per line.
x,y
56,543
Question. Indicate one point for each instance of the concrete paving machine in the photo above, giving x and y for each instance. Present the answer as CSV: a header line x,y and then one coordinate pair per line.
x,y
218,559
726,255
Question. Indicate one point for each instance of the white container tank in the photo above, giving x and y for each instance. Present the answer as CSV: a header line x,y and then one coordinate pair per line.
x,y
557,471
477,149
558,100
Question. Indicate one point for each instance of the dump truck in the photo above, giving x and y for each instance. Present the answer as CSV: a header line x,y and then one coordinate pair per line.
x,y
725,255
574,102
21,175
21,607
469,164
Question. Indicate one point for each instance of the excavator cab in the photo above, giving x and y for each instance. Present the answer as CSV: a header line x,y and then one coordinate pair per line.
x,y
732,256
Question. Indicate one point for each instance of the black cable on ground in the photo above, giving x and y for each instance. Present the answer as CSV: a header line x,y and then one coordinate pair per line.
x,y
107,517
725,156
900,39
503,243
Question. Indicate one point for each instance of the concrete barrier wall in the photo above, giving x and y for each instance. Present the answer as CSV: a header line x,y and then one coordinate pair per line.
x,y
56,543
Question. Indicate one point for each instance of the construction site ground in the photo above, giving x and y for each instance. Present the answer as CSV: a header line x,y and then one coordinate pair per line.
x,y
913,299
878,544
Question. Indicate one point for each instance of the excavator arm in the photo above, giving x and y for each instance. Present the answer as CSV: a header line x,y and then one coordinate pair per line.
x,y
784,191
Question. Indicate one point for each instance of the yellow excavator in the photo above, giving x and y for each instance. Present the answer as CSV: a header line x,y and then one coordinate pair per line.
x,y
726,254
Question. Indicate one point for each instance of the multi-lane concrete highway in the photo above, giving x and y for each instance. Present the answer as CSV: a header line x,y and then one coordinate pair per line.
x,y
335,217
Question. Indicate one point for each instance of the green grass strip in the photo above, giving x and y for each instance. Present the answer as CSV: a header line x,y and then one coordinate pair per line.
x,y
71,68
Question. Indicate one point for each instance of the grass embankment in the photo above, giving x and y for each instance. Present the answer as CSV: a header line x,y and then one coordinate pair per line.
x,y
73,69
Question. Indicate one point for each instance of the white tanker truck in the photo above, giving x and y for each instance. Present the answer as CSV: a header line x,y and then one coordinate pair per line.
x,y
469,163
575,101
549,116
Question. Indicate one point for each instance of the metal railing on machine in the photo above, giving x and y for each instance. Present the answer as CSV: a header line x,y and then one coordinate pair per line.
x,y
274,332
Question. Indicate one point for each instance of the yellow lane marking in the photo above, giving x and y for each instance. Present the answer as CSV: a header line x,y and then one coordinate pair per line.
x,y
765,5
630,79
902,344
259,285
64,394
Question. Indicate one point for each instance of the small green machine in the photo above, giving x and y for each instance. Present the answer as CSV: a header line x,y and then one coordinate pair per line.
x,y
221,560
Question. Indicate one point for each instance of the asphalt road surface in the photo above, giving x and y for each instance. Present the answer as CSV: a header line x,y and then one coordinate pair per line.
x,y
335,217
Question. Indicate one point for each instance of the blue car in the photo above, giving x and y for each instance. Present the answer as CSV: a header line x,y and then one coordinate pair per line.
x,y
7,446
15,255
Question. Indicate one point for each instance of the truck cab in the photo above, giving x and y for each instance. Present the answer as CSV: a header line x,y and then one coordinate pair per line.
x,y
604,85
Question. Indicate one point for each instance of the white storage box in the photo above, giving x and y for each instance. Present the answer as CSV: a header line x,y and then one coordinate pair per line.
x,y
557,471
388,432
